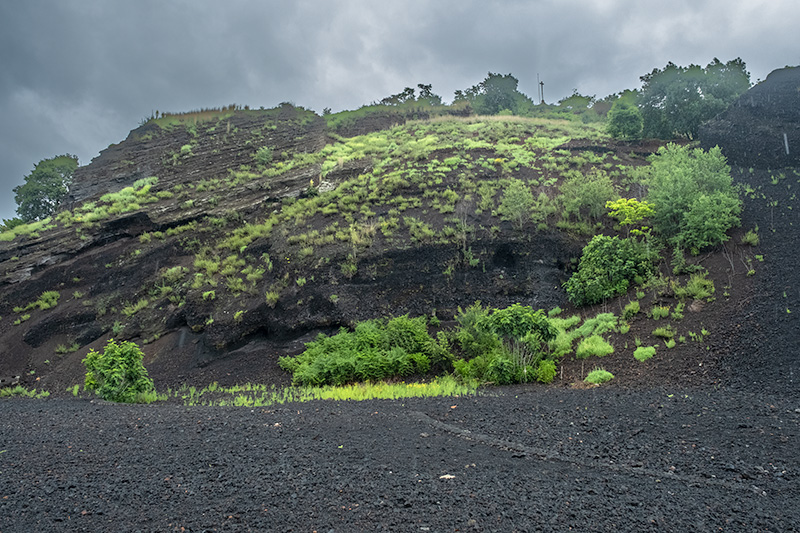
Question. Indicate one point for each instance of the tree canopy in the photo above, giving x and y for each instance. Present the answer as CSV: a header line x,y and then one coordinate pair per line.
x,y
675,100
45,187
496,93
426,96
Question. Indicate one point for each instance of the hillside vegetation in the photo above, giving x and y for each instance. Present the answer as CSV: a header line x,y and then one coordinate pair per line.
x,y
235,233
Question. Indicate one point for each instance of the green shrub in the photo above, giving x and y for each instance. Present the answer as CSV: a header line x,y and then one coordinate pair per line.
x,y
599,376
505,345
631,310
264,155
516,204
643,353
659,311
585,195
607,266
665,332
374,350
593,345
546,371
118,374
692,191
751,238
697,287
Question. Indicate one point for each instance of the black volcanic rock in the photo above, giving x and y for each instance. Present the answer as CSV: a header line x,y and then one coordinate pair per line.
x,y
762,128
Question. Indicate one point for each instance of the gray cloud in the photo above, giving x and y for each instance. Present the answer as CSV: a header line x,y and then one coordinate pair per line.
x,y
79,74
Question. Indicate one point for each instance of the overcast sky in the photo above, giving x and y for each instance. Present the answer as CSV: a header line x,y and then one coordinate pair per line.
x,y
78,75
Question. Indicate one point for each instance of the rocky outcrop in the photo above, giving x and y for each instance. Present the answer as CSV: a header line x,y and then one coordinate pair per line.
x,y
762,128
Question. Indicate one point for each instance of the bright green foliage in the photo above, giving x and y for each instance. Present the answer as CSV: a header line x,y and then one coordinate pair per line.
x,y
607,266
546,371
585,195
693,195
624,121
45,187
675,100
643,353
599,376
631,309
507,346
375,350
118,374
517,203
593,345
631,212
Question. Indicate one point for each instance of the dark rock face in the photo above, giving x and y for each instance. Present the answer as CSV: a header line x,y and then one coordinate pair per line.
x,y
762,128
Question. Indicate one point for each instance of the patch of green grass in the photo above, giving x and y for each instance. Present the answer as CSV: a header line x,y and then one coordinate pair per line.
x,y
253,395
599,376
132,309
593,345
21,391
643,353
64,349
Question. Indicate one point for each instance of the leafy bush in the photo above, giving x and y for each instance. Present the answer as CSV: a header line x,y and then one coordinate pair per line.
x,y
692,191
374,350
118,374
585,195
659,311
643,353
546,371
631,309
506,346
607,266
599,376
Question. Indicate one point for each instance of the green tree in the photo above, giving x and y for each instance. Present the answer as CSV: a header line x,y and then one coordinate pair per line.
x,y
693,196
624,121
675,100
494,94
45,187
118,374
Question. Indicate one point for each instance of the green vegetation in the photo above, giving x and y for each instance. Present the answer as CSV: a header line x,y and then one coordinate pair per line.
x,y
599,376
593,345
643,353
693,196
19,390
675,100
606,268
47,300
253,395
45,187
503,346
375,350
625,121
117,374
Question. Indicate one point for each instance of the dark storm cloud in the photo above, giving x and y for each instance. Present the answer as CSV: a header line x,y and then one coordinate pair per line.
x,y
79,74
